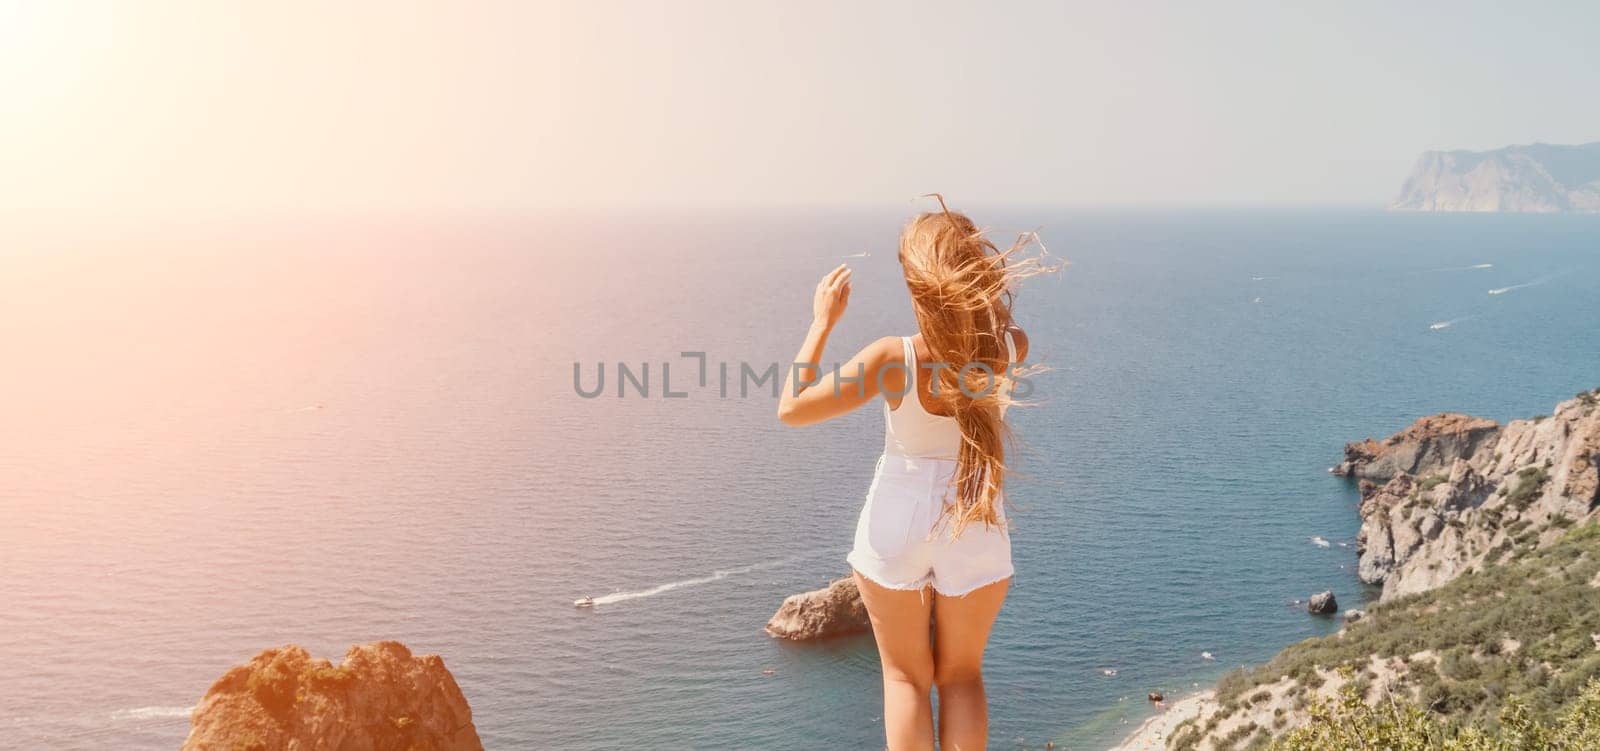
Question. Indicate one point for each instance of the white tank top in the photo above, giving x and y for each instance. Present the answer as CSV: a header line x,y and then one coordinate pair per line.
x,y
914,433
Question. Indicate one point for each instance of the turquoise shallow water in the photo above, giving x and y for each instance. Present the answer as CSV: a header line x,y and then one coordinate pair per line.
x,y
221,438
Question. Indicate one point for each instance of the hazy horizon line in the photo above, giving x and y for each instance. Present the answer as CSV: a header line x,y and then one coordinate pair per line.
x,y
175,215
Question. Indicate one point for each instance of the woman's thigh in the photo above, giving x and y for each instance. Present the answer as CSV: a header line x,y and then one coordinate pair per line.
x,y
900,620
961,631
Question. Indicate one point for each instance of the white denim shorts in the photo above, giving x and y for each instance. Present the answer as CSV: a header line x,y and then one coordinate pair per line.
x,y
902,543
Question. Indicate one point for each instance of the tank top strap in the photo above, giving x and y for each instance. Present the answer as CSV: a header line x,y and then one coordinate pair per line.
x,y
1011,347
911,367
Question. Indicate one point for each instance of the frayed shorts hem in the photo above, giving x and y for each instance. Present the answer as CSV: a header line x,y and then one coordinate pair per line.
x,y
866,573
866,570
975,587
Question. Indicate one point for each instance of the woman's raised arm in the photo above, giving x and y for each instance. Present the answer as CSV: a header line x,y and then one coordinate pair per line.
x,y
806,398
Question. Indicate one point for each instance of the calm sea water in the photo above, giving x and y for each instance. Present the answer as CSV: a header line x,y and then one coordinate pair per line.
x,y
219,438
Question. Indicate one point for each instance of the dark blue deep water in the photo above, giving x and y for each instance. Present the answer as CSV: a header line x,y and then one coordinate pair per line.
x,y
221,440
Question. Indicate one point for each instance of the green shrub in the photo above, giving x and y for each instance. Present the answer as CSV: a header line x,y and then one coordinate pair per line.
x,y
1529,481
1350,724
1241,733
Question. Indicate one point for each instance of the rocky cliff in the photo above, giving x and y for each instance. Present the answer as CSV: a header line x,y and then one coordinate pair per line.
x,y
1537,178
1459,492
379,697
835,610
1486,539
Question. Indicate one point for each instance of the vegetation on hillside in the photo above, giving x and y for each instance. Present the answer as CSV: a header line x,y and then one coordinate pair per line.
x,y
1525,628
1351,724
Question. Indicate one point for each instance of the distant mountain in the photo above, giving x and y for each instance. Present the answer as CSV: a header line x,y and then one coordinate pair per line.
x,y
1540,178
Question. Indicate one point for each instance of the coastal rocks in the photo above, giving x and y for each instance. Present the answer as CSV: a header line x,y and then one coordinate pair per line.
x,y
1375,542
1452,492
1581,483
1467,488
1426,446
834,611
1322,603
1450,496
379,697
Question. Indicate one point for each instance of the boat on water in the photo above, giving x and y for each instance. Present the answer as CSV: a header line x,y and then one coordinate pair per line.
x,y
583,602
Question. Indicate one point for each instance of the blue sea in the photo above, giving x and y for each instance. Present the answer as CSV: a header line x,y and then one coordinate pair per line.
x,y
221,437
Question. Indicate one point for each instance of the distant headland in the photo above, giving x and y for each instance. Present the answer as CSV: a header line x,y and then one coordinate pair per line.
x,y
1538,178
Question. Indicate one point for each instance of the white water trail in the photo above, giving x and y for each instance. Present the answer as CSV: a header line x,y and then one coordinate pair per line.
x,y
151,713
616,597
1503,290
1473,267
1447,324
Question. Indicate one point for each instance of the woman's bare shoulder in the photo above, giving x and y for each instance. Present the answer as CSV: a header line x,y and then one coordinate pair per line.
x,y
887,349
884,352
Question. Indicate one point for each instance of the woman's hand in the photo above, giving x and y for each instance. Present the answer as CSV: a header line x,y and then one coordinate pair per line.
x,y
811,395
833,295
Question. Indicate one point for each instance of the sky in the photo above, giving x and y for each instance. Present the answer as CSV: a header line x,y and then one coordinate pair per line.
x,y
178,108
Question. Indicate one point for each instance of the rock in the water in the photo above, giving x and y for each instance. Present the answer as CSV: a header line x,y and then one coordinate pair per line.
x,y
834,611
1352,615
1156,696
1323,603
380,697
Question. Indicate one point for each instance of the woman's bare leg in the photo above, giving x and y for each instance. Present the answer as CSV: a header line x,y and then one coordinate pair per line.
x,y
900,625
961,630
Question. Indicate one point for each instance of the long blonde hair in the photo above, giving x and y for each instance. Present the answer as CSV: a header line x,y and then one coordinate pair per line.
x,y
962,288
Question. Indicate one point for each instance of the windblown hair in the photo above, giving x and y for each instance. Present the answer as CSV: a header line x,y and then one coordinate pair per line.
x,y
962,287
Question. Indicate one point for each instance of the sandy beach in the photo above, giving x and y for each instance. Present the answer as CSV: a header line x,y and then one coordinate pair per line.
x,y
1153,733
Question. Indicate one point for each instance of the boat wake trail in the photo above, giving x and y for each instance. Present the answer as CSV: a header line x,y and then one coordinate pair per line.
x,y
1449,323
1534,283
616,597
152,713
1473,267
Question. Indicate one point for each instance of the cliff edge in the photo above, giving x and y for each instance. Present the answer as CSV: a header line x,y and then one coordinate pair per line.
x,y
1451,493
1486,540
